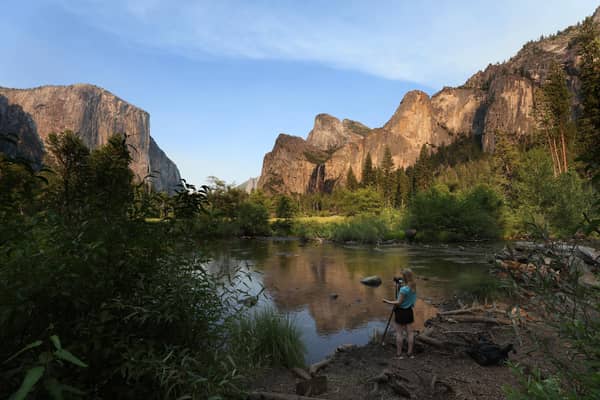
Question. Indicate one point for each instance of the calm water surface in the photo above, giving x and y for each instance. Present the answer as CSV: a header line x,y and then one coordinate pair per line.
x,y
299,279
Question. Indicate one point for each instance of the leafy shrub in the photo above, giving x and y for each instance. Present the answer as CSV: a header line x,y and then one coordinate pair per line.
x,y
439,215
253,219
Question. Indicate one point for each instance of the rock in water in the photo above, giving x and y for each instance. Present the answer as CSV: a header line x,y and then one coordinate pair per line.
x,y
371,281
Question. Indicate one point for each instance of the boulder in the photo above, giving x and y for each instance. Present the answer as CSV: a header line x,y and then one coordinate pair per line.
x,y
371,281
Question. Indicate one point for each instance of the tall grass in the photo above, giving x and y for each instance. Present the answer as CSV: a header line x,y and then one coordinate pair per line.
x,y
267,339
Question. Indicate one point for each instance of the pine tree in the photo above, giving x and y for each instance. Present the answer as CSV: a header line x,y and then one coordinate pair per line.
x,y
402,189
589,121
351,182
505,162
423,171
368,173
387,177
553,112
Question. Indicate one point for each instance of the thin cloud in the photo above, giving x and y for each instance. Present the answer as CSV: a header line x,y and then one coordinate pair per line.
x,y
430,42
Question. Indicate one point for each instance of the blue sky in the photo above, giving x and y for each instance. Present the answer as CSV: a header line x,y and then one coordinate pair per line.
x,y
221,79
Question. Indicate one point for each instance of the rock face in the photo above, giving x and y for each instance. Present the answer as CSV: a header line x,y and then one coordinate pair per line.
x,y
497,100
249,185
94,114
18,137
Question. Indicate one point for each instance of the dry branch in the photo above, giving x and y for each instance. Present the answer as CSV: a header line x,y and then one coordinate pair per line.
x,y
487,320
301,373
278,396
316,367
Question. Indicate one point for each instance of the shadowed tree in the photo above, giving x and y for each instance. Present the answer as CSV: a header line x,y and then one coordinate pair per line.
x,y
351,181
368,173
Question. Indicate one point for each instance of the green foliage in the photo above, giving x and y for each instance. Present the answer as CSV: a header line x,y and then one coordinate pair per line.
x,y
130,298
369,228
253,219
423,171
267,339
403,189
47,367
363,200
284,208
387,179
557,201
189,202
535,387
589,121
553,112
439,215
368,173
312,230
351,181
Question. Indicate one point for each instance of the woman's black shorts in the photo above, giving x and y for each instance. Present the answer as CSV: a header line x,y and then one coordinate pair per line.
x,y
404,316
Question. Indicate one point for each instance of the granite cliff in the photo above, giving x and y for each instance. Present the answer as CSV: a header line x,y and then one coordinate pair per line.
x,y
498,100
95,114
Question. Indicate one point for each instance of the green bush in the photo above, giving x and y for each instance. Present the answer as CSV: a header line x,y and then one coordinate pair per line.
x,y
370,228
439,215
253,219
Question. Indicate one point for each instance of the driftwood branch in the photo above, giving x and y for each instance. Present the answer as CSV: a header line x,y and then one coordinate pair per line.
x,y
487,320
430,341
301,373
472,310
316,367
461,311
278,396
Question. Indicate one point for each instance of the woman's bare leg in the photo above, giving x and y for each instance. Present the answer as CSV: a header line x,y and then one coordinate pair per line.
x,y
399,338
411,338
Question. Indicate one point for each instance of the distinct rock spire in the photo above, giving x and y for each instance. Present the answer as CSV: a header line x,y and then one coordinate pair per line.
x,y
329,133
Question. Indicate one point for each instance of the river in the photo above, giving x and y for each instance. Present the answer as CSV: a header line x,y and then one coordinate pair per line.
x,y
318,285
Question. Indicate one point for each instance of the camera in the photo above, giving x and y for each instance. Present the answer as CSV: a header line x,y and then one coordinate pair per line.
x,y
398,280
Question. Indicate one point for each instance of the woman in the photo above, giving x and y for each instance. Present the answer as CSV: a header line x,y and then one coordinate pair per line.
x,y
403,313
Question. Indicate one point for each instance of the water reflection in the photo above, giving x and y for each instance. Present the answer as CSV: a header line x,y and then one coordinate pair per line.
x,y
302,279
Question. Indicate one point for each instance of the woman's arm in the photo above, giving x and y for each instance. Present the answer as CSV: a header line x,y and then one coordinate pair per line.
x,y
395,302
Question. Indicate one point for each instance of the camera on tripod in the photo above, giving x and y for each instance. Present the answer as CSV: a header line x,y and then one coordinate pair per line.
x,y
398,280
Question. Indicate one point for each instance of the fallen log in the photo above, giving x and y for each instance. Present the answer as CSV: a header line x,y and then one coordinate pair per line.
x,y
399,388
316,367
487,320
278,396
461,311
381,378
316,385
430,341
301,373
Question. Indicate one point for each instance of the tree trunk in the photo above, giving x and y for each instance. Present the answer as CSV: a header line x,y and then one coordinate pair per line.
x,y
554,161
564,150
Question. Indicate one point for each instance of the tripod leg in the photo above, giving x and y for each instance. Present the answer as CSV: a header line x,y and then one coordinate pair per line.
x,y
386,328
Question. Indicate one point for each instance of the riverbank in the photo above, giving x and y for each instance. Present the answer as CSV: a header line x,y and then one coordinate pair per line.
x,y
450,347
441,368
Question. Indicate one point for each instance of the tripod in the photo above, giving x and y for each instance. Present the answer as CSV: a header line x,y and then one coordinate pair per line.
x,y
396,289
